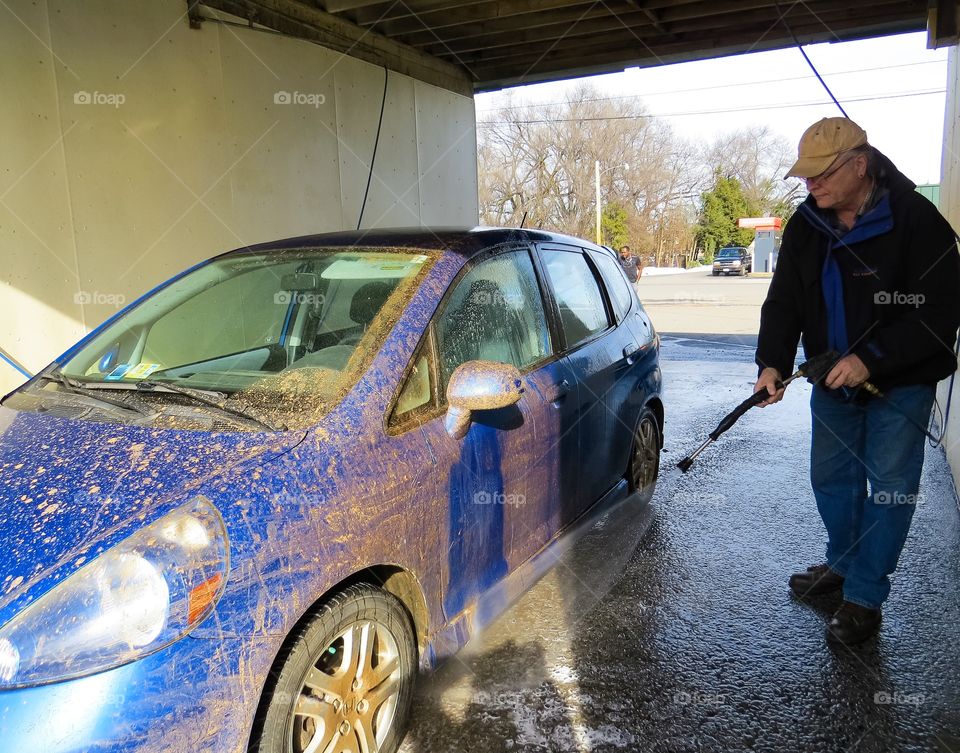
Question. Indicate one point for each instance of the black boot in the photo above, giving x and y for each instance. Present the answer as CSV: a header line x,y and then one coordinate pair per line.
x,y
853,624
816,581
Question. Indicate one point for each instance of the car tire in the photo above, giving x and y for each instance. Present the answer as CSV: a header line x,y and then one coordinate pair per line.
x,y
644,465
315,703
716,274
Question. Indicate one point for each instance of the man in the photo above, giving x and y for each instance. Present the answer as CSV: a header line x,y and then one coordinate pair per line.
x,y
869,268
630,264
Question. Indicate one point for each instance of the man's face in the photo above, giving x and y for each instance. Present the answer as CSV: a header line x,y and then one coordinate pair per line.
x,y
840,185
625,252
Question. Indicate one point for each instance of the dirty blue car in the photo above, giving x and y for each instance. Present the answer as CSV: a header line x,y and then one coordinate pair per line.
x,y
246,511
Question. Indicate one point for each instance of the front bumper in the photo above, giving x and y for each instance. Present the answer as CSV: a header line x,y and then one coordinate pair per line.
x,y
195,695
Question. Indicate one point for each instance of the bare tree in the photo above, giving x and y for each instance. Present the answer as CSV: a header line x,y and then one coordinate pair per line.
x,y
540,160
758,159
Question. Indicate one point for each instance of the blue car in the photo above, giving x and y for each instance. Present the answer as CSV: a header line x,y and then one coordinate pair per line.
x,y
244,512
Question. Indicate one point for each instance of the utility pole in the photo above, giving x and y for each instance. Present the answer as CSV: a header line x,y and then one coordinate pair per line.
x,y
596,166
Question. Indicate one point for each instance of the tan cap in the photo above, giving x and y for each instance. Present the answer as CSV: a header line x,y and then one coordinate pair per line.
x,y
822,142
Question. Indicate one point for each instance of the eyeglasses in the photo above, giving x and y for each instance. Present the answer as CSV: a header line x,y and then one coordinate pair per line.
x,y
828,172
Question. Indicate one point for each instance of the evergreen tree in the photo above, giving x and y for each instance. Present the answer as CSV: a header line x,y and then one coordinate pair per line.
x,y
720,208
613,226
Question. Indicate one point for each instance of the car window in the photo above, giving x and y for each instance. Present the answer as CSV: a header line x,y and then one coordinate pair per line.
x,y
621,293
582,309
496,314
416,391
239,314
288,332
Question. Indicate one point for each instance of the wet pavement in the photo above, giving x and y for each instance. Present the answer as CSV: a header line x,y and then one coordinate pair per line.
x,y
670,627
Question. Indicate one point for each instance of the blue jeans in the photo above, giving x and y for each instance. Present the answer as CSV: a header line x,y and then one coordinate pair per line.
x,y
854,444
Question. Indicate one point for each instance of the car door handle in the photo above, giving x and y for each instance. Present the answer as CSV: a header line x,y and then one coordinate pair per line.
x,y
561,391
629,352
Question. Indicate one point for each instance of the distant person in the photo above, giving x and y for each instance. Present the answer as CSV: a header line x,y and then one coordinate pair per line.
x,y
868,267
631,264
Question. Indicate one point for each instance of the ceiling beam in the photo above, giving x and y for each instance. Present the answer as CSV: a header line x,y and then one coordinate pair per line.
x,y
339,6
301,21
477,12
943,23
608,57
528,44
391,10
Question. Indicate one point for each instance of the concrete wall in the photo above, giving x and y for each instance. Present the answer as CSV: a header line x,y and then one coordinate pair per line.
x,y
133,146
950,207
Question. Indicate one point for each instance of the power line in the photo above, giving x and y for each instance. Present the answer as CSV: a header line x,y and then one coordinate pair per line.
x,y
711,88
899,95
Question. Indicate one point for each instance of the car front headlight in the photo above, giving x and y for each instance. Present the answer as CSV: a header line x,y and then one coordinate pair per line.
x,y
716,264
145,593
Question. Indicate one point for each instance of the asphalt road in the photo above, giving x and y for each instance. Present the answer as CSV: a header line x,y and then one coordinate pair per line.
x,y
696,301
670,627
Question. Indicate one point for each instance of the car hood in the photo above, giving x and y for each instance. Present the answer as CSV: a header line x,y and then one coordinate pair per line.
x,y
70,488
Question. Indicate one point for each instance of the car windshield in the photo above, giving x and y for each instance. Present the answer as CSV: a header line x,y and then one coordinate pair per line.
x,y
284,332
729,253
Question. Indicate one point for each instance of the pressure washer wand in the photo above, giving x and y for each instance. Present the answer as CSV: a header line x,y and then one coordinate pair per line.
x,y
813,369
730,419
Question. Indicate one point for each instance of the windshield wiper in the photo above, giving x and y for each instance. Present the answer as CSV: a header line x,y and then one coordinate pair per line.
x,y
213,399
78,388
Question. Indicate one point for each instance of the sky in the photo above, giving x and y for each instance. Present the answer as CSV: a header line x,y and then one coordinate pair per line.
x,y
892,86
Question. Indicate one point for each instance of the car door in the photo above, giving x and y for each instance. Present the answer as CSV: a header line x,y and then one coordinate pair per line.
x,y
597,355
635,336
505,481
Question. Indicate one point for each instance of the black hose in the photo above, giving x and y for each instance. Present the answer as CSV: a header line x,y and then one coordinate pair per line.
x,y
376,143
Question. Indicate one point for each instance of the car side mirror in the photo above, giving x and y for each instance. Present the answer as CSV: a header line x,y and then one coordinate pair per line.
x,y
479,385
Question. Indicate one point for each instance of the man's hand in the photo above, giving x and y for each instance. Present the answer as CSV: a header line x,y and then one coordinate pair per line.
x,y
768,381
848,372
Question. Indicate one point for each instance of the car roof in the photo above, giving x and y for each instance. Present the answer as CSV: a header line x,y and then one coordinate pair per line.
x,y
463,241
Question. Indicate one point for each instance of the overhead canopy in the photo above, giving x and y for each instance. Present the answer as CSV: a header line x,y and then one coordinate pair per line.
x,y
480,46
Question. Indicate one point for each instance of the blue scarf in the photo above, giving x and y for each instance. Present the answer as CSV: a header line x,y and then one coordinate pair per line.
x,y
875,222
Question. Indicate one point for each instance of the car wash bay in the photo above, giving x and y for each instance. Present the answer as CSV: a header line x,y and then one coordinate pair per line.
x,y
670,628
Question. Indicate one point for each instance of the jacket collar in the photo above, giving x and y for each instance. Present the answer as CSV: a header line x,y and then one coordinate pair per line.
x,y
876,221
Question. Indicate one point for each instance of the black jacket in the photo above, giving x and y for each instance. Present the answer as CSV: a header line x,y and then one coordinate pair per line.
x,y
901,289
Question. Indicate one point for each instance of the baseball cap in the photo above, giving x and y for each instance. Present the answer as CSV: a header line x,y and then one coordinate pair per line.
x,y
822,142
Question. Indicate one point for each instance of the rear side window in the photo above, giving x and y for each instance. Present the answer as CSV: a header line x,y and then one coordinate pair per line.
x,y
621,292
583,312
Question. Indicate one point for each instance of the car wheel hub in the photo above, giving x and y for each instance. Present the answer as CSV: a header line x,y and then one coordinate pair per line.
x,y
348,699
645,459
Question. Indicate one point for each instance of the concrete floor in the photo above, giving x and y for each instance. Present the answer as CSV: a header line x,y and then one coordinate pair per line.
x,y
670,627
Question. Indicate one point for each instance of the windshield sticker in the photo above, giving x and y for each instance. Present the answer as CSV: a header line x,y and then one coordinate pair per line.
x,y
118,373
141,370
